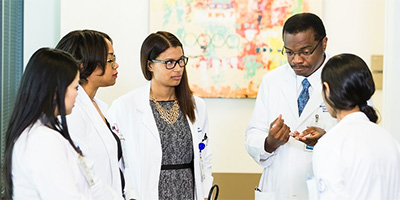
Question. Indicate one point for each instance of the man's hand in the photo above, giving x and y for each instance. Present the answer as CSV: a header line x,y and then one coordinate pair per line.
x,y
310,136
277,136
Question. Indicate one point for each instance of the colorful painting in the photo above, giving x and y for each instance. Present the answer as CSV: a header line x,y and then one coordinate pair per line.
x,y
231,44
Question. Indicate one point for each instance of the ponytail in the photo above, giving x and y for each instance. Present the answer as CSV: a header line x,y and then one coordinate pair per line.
x,y
369,111
351,84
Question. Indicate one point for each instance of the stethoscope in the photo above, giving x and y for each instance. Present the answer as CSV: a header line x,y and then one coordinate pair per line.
x,y
210,194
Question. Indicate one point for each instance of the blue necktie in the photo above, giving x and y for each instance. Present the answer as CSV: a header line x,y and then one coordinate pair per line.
x,y
304,96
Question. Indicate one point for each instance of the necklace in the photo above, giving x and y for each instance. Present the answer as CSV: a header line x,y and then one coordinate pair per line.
x,y
168,115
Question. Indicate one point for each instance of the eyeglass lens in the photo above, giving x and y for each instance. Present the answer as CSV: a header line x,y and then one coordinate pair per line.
x,y
181,62
112,61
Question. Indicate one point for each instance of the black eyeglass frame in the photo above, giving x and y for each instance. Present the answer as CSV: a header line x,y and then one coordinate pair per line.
x,y
183,58
301,53
113,60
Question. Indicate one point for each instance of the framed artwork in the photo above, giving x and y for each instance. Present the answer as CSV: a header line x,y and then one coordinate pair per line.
x,y
231,44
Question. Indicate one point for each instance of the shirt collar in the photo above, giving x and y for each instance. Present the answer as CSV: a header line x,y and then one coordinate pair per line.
x,y
314,78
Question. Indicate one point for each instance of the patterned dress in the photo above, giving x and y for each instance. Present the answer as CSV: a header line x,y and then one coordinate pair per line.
x,y
176,177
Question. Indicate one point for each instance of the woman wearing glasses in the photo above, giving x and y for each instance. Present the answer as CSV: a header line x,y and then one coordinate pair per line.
x,y
88,124
165,127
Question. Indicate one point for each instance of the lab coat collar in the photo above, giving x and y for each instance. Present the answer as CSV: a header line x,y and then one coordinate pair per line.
x,y
316,98
145,108
83,97
354,116
144,104
148,117
290,93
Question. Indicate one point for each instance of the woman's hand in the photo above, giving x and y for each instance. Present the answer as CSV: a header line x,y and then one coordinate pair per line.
x,y
310,136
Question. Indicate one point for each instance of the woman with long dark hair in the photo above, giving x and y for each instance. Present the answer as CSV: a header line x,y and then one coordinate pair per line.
x,y
41,160
165,126
356,159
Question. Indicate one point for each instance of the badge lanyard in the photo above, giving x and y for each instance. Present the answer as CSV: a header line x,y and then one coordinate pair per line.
x,y
202,146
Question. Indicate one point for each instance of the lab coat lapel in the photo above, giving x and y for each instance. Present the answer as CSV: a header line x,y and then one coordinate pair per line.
x,y
289,91
101,128
145,108
313,104
193,131
315,100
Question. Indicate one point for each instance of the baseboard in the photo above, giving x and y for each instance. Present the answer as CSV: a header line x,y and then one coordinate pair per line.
x,y
236,186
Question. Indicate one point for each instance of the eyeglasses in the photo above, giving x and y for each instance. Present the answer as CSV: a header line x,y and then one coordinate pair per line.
x,y
170,64
303,53
113,60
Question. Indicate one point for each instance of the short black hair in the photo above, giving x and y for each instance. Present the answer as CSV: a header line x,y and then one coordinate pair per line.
x,y
302,22
89,48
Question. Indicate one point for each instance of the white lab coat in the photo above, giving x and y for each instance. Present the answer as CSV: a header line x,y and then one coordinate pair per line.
x,y
46,167
133,116
286,169
357,159
94,138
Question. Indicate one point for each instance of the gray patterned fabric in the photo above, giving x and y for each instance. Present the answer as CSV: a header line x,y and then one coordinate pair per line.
x,y
177,148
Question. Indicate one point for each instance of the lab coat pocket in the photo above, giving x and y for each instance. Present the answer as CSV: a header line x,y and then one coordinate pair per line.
x,y
312,188
259,195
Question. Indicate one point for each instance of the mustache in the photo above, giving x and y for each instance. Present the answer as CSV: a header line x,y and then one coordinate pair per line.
x,y
296,65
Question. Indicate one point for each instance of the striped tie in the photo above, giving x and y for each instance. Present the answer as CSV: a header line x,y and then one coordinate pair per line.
x,y
304,96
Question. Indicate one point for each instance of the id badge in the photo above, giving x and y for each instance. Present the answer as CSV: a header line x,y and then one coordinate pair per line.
x,y
316,122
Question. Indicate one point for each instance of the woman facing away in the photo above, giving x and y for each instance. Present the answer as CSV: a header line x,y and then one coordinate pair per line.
x,y
356,159
88,123
41,160
165,127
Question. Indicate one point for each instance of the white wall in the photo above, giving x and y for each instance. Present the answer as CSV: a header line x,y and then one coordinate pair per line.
x,y
353,26
41,25
126,22
356,26
391,70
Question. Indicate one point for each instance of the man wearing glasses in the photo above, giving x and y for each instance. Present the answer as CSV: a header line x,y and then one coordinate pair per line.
x,y
289,103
